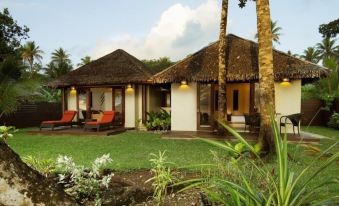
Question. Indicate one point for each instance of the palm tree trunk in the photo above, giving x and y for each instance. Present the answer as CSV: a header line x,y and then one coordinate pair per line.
x,y
266,76
222,101
21,185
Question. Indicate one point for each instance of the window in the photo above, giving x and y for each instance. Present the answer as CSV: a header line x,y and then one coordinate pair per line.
x,y
235,100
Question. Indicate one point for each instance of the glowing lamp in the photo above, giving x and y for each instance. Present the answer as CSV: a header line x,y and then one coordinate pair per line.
x,y
183,82
73,90
129,88
285,82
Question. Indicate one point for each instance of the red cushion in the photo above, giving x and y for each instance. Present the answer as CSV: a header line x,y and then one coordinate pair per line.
x,y
51,122
107,117
66,117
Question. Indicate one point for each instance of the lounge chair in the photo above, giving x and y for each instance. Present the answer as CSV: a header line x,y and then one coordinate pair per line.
x,y
66,120
294,120
105,122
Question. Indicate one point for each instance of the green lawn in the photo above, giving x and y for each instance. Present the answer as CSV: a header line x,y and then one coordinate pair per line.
x,y
325,131
129,150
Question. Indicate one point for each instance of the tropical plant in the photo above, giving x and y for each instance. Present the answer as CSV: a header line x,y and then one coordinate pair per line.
x,y
222,71
311,54
44,166
30,52
163,176
158,120
275,32
13,87
50,95
328,48
84,183
284,188
60,56
6,132
60,64
334,121
85,60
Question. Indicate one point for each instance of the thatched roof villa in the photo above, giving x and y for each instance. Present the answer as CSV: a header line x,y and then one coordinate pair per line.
x,y
188,89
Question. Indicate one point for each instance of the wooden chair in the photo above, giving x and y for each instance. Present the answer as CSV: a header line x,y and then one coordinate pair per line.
x,y
66,120
294,120
105,122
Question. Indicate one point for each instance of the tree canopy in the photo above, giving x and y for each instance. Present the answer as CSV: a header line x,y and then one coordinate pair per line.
x,y
330,29
157,65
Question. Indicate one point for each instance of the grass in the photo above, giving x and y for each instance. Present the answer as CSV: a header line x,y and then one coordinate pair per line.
x,y
325,131
129,150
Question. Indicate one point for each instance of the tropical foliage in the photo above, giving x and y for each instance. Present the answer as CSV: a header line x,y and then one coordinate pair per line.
x,y
330,29
6,132
334,121
30,52
85,60
158,120
276,32
311,54
157,65
258,184
328,48
44,166
60,64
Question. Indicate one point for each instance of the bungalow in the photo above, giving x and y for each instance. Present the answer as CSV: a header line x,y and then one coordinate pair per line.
x,y
188,89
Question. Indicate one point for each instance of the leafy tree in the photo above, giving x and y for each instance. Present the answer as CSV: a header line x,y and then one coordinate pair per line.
x,y
311,54
157,65
85,60
13,87
328,49
60,64
10,34
275,31
290,53
30,52
330,29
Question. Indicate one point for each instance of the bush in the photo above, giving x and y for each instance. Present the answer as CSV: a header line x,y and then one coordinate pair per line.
x,y
334,121
44,166
158,120
84,183
260,184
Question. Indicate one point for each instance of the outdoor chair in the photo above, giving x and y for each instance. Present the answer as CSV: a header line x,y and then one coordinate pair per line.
x,y
294,120
66,120
252,121
105,122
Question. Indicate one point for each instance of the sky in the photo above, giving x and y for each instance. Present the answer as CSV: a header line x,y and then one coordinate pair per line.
x,y
150,29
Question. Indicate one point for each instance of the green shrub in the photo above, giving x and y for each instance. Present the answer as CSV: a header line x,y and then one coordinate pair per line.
x,y
260,184
6,132
334,121
158,120
44,166
163,176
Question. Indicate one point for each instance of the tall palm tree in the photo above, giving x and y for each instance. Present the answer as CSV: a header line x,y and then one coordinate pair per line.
x,y
311,54
222,105
60,56
266,77
30,52
275,32
85,60
328,49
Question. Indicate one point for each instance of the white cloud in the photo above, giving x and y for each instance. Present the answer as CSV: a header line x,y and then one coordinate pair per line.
x,y
180,31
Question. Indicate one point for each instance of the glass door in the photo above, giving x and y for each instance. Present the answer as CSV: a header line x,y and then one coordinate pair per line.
x,y
205,106
118,105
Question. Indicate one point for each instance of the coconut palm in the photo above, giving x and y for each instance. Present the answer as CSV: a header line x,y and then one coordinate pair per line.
x,y
60,56
327,48
30,52
85,60
275,31
311,54
266,77
222,66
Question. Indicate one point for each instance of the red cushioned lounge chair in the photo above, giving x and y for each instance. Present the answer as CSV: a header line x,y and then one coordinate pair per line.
x,y
105,122
66,120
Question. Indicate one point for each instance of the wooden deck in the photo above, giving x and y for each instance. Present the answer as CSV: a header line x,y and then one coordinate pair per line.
x,y
246,135
78,131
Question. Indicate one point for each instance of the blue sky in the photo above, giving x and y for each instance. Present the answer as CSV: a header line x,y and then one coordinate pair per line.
x,y
153,28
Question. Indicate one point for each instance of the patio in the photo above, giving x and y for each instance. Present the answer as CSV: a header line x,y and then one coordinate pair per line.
x,y
78,131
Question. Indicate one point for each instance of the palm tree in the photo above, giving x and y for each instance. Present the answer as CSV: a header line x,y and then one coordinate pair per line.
x,y
311,54
266,77
12,86
222,105
327,48
85,60
275,31
30,52
60,56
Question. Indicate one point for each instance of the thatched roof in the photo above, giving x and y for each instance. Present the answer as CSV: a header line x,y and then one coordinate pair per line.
x,y
115,68
242,64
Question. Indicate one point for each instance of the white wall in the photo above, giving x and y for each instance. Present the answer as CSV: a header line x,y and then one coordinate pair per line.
x,y
287,99
130,107
184,107
96,96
